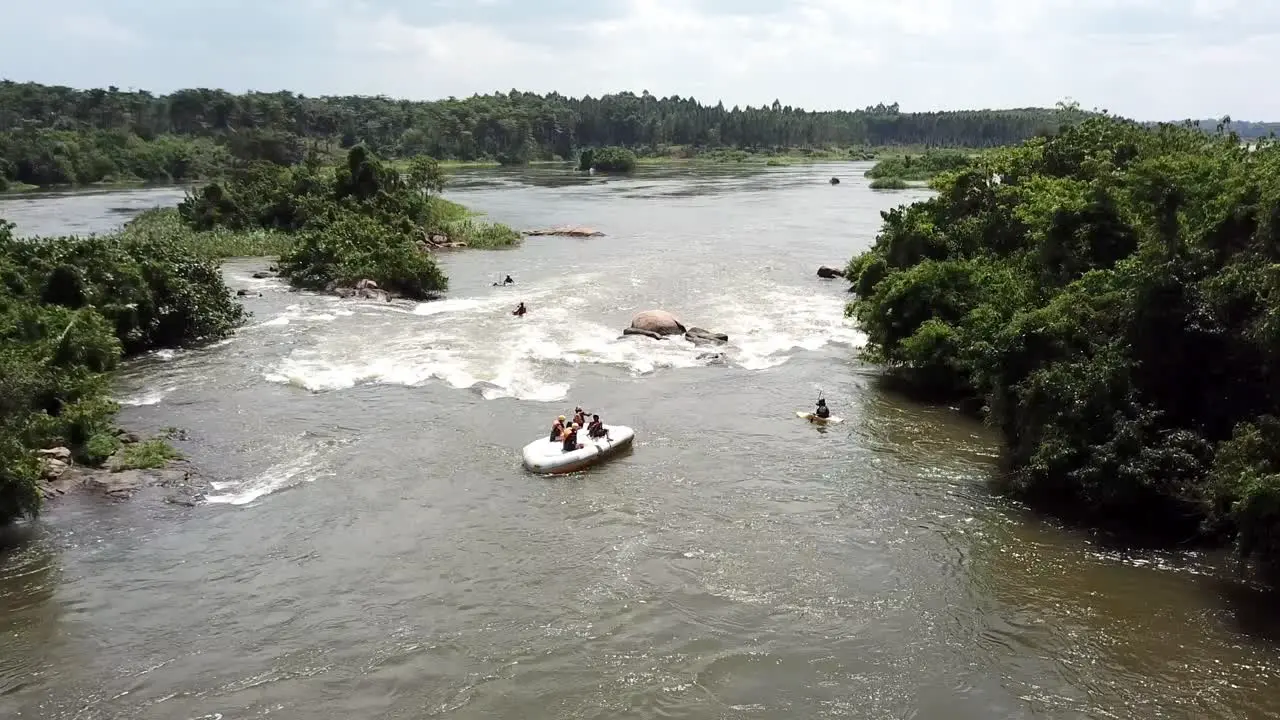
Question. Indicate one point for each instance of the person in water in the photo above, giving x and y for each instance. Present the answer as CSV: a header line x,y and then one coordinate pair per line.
x,y
508,281
596,428
570,438
557,429
520,310
822,411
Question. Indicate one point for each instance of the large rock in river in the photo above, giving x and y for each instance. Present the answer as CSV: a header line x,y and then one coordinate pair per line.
x,y
829,272
659,322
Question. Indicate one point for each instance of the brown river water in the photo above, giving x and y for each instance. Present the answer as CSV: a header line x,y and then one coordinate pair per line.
x,y
374,550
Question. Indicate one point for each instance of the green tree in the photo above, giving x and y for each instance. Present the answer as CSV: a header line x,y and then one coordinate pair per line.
x,y
1107,295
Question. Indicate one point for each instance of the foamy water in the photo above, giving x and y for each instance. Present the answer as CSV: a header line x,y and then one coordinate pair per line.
x,y
475,342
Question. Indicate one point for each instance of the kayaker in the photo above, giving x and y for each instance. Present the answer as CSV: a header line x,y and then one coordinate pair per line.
x,y
822,411
571,438
596,428
519,311
508,281
557,430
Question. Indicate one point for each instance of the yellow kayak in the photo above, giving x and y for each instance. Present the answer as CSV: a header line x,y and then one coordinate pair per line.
x,y
833,420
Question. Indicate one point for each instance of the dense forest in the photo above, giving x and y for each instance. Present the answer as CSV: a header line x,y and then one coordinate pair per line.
x,y
58,135
1108,297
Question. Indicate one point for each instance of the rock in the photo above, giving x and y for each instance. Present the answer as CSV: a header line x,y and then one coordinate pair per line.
x,y
363,293
660,322
829,272
835,181
128,438
439,239
699,336
712,358
261,275
53,468
57,453
566,231
646,333
125,482
366,285
242,292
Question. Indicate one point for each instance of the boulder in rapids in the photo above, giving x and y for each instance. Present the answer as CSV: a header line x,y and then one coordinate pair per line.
x,y
829,272
700,336
646,333
659,322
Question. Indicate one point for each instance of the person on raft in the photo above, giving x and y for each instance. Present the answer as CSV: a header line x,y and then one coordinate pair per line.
x,y
823,411
596,428
579,416
570,438
557,429
519,311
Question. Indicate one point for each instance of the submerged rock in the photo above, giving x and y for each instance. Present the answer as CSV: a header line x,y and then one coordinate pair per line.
x,y
645,333
566,231
699,336
829,273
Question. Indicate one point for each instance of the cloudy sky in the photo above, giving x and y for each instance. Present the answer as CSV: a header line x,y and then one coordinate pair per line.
x,y
1150,59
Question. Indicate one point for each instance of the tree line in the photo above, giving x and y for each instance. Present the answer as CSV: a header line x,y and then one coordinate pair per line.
x,y
1106,297
56,135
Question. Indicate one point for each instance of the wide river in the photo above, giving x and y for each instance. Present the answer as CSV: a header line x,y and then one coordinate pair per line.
x,y
374,549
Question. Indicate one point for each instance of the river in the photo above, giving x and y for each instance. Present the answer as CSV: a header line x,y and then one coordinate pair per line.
x,y
374,550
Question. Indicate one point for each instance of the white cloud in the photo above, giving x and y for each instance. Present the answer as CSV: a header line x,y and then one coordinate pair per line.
x,y
1154,59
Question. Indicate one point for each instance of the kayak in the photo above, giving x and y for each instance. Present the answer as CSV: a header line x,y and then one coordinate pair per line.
x,y
547,457
833,420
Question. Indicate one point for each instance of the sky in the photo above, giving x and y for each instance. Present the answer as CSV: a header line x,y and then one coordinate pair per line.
x,y
1147,59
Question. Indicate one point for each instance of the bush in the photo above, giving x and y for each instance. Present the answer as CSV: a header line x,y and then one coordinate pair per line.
x,y
362,221
354,247
608,159
920,167
70,309
1108,295
889,183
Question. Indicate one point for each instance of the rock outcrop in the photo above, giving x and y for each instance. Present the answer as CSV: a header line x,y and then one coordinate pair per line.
x,y
835,181
432,242
659,322
699,336
829,273
646,333
565,231
179,482
363,290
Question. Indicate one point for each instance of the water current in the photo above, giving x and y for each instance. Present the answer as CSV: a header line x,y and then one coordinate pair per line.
x,y
373,548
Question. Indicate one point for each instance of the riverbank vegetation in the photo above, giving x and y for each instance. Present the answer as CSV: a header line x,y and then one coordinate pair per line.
x,y
607,159
51,135
364,221
889,183
1108,295
71,309
920,167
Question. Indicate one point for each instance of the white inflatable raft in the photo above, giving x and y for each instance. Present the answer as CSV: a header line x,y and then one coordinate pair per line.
x,y
547,457
833,420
